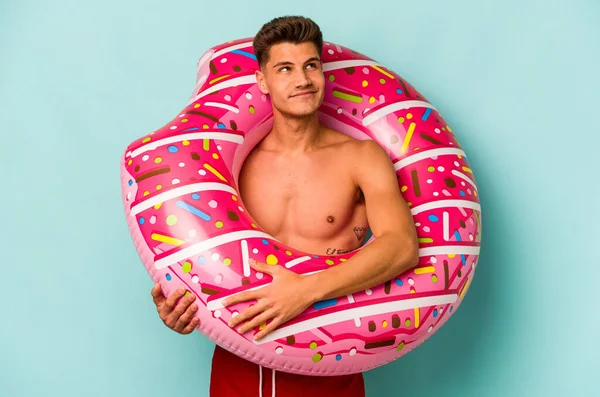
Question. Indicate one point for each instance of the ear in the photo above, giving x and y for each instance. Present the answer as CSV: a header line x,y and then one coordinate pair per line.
x,y
261,82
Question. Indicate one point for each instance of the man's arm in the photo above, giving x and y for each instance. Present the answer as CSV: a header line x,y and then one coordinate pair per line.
x,y
395,248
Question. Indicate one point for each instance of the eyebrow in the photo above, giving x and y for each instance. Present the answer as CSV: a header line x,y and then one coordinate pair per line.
x,y
283,63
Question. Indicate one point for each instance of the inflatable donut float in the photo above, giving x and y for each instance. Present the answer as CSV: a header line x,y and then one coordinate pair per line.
x,y
191,230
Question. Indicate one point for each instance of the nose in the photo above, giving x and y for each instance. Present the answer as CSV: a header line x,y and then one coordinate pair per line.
x,y
302,79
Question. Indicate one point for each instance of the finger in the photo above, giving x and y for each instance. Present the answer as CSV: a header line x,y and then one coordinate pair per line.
x,y
262,267
173,298
191,326
157,295
257,321
242,297
247,314
183,304
268,329
184,320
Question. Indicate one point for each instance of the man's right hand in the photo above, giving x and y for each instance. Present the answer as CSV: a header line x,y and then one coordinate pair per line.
x,y
174,311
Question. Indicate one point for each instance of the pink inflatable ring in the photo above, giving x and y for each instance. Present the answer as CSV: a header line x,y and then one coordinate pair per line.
x,y
191,229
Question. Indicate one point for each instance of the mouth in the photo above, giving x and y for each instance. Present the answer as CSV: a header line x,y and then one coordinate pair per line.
x,y
303,94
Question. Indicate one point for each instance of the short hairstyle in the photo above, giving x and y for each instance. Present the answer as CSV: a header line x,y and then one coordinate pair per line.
x,y
286,29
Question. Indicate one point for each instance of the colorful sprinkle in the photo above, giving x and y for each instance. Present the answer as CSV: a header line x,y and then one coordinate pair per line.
x,y
172,149
272,259
227,261
317,357
325,303
171,220
186,267
193,210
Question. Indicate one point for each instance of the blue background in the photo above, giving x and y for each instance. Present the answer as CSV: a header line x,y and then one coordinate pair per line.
x,y
516,80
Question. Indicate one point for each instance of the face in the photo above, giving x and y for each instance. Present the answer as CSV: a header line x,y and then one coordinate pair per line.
x,y
293,77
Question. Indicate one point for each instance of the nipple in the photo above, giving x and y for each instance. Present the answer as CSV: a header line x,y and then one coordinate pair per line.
x,y
330,219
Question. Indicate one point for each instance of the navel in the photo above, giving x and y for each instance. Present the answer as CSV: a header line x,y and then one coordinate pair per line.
x,y
330,219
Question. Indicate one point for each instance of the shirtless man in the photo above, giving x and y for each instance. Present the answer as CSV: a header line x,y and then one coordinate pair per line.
x,y
323,203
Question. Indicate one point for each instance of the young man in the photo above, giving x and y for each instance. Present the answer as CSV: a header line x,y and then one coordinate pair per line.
x,y
323,204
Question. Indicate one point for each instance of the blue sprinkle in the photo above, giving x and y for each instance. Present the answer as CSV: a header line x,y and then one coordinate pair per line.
x,y
202,260
265,242
426,114
130,182
398,91
433,218
200,214
451,308
315,256
244,53
142,220
463,260
172,149
191,129
338,357
435,313
168,276
221,126
325,303
195,196
457,235
462,193
399,282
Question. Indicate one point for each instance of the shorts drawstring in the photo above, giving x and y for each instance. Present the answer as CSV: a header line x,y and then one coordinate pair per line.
x,y
260,382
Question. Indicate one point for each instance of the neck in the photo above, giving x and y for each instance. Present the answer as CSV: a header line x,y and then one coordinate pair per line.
x,y
291,134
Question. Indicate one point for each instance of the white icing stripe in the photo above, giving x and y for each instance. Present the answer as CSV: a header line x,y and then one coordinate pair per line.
x,y
449,249
297,261
363,311
398,165
464,177
231,48
180,191
446,225
328,66
249,79
222,106
245,258
384,111
192,136
445,204
206,245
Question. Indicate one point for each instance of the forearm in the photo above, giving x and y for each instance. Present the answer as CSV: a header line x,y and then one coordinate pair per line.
x,y
376,263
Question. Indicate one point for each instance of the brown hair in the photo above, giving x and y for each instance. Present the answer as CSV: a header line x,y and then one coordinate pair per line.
x,y
287,29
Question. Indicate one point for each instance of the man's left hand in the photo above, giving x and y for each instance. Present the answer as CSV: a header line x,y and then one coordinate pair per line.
x,y
288,295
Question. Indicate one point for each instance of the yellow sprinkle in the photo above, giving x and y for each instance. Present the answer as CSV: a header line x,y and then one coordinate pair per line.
x,y
401,120
384,324
253,225
467,169
129,162
166,239
234,198
343,259
382,81
451,256
227,261
184,120
251,109
404,188
157,206
158,160
262,326
431,168
288,253
313,345
146,193
329,262
186,267
147,139
218,78
196,106
372,100
185,143
464,288
407,138
272,259
400,346
171,220
219,224
382,71
417,317
365,83
425,240
215,172
449,129
158,187
215,156
409,116
205,127
424,270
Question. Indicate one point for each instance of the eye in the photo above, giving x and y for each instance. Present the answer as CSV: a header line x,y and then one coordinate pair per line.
x,y
311,65
284,69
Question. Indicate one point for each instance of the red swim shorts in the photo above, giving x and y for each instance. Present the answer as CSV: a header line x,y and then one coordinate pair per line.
x,y
232,376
